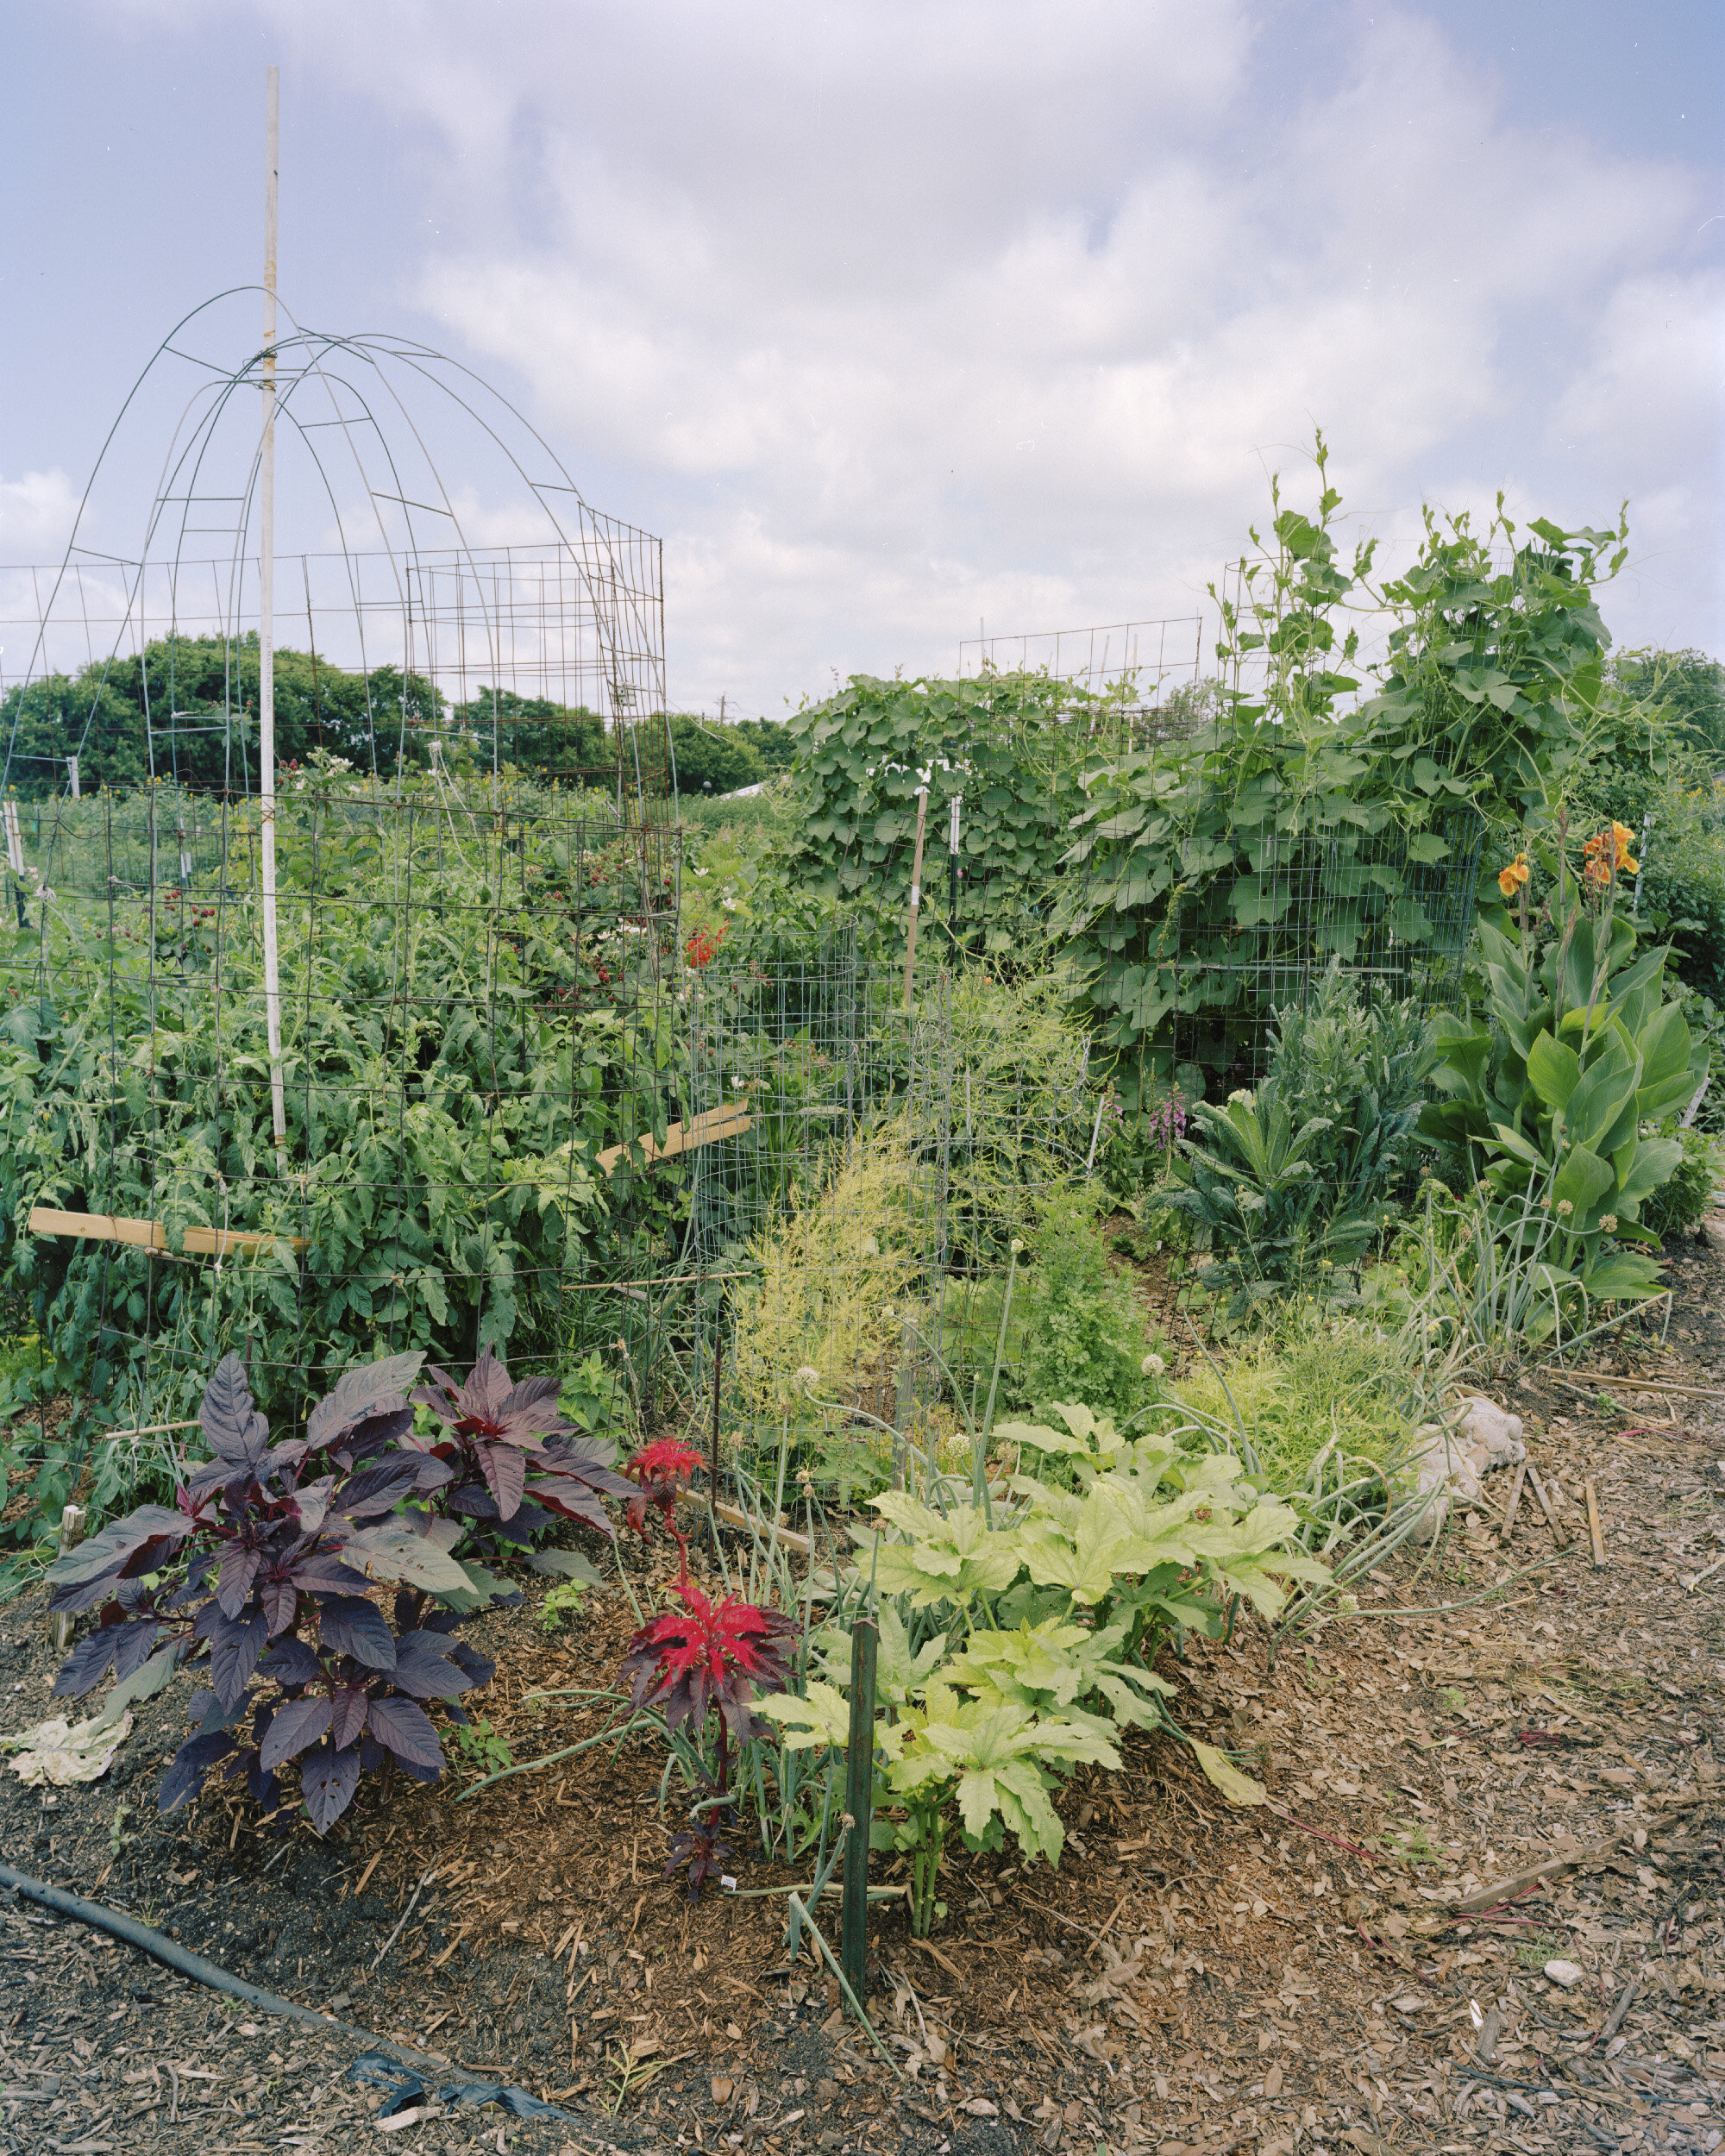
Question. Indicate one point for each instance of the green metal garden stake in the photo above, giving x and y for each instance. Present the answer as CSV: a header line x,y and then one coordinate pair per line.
x,y
858,1798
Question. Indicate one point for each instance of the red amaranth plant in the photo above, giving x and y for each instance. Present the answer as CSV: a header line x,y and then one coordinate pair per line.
x,y
662,1473
706,1655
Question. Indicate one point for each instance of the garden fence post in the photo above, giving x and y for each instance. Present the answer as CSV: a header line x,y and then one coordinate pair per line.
x,y
916,890
858,1798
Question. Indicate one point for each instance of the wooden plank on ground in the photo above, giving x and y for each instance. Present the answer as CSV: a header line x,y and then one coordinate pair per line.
x,y
729,1120
151,1235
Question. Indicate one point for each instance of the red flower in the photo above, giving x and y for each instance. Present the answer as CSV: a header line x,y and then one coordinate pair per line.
x,y
702,946
662,1472
709,1654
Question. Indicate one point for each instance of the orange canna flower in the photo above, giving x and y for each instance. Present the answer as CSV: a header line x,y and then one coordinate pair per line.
x,y
1510,880
1623,835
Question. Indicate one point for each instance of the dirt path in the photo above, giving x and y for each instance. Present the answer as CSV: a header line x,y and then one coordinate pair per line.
x,y
1193,1979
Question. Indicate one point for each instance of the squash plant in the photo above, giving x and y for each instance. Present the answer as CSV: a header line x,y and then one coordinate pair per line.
x,y
1311,820
1014,745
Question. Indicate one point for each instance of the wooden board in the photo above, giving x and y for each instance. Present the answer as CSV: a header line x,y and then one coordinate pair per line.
x,y
729,1121
150,1235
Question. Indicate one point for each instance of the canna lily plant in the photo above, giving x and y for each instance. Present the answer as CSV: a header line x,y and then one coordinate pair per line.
x,y
1580,1047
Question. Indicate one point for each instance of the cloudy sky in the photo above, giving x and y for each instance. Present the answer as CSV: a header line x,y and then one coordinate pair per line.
x,y
897,315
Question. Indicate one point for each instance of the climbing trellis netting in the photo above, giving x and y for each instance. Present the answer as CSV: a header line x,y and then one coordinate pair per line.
x,y
353,1098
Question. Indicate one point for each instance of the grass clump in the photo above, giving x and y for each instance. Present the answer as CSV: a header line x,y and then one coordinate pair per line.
x,y
1311,1379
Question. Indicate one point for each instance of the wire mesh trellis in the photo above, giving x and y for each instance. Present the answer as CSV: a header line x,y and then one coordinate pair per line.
x,y
848,1244
475,908
1149,671
1392,908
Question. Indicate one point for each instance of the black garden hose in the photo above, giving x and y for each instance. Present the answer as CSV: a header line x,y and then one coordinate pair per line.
x,y
163,1949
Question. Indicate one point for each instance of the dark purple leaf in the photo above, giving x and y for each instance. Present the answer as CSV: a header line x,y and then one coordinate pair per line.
x,y
321,1572
235,1642
487,1385
279,1600
373,1754
362,1392
135,1642
388,1425
294,1725
263,1785
531,1410
441,1395
348,1625
234,1588
505,1469
473,1501
588,1460
415,1771
480,1667
573,1499
380,1486
189,1766
110,1548
531,1392
290,1662
236,1431
205,1710
408,1732
84,1667
349,1703
327,1781
422,1669
526,1521
311,1503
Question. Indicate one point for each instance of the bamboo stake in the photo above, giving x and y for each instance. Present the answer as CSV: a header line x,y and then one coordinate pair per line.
x,y
1595,1533
916,890
1511,1503
60,1623
1552,1521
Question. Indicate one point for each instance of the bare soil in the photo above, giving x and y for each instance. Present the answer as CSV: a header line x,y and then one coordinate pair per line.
x,y
1193,1979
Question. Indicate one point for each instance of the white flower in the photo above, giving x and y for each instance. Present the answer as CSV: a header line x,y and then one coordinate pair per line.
x,y
1018,1246
807,1378
1152,1366
1608,1222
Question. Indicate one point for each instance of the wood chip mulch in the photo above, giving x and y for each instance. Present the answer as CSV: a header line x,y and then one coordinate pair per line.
x,y
1362,1967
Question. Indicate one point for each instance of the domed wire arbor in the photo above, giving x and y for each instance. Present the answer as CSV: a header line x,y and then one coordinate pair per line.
x,y
313,1051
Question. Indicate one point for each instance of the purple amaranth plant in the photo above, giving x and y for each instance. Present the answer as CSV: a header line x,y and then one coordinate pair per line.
x,y
267,1569
517,1463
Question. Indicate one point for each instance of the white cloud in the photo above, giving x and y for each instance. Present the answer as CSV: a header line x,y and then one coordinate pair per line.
x,y
36,516
891,313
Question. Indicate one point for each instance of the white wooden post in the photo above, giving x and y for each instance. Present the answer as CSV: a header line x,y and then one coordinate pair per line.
x,y
267,632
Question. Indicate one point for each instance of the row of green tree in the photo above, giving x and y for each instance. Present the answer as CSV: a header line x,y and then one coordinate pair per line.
x,y
185,708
